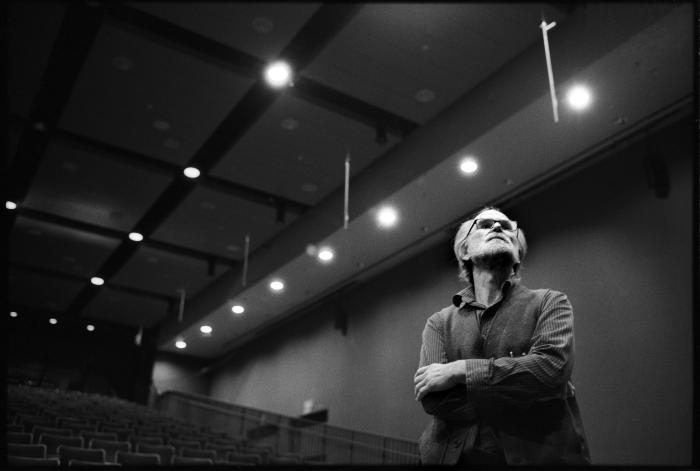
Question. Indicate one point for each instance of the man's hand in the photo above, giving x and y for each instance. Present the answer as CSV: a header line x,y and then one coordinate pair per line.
x,y
438,377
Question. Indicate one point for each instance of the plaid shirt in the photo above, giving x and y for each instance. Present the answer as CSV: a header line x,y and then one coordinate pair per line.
x,y
519,358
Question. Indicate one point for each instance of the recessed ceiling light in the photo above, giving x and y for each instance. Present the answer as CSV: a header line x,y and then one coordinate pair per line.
x,y
122,63
13,314
290,124
425,95
278,74
97,281
387,217
309,188
90,327
136,236
191,172
263,24
579,97
181,344
10,205
53,321
205,329
171,143
276,285
238,309
326,254
468,165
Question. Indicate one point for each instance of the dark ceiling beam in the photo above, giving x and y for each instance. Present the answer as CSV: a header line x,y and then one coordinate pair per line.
x,y
243,115
143,161
307,44
71,47
120,235
48,272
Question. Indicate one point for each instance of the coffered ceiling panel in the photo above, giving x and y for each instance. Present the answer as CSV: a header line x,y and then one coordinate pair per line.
x,y
89,186
126,308
41,244
258,28
418,58
139,95
216,222
26,288
31,30
166,273
298,150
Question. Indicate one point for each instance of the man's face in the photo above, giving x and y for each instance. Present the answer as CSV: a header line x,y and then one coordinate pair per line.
x,y
497,241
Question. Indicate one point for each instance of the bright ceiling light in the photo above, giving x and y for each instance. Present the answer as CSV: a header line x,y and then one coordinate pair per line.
x,y
53,321
278,74
181,344
387,217
10,205
579,97
13,314
205,329
136,236
191,172
90,327
468,165
276,285
97,281
238,309
326,254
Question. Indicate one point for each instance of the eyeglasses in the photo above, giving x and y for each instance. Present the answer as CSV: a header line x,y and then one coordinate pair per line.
x,y
506,225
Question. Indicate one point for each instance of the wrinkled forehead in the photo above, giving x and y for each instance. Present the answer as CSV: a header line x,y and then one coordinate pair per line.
x,y
491,214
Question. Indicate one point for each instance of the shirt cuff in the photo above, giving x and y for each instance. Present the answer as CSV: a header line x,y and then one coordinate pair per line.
x,y
478,373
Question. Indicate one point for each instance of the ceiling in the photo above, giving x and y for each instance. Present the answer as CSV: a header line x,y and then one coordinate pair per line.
x,y
109,102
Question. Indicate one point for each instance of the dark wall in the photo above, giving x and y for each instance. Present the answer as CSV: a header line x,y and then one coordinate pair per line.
x,y
67,356
620,252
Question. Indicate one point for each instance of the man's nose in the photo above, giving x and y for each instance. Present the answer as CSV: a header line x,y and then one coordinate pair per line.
x,y
497,224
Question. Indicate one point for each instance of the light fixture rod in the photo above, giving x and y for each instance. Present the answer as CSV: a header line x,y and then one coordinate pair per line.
x,y
546,27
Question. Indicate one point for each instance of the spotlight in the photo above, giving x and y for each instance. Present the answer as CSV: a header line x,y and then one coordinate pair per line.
x,y
205,329
135,236
276,285
579,97
97,281
191,172
326,254
468,165
53,321
181,344
387,217
238,309
13,314
10,205
90,327
278,74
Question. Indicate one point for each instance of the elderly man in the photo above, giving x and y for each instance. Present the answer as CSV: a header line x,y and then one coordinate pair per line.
x,y
495,365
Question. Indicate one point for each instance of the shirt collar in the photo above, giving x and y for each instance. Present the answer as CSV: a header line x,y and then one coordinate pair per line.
x,y
466,296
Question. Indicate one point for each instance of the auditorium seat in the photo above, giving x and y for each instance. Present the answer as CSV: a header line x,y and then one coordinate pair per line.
x,y
87,436
166,452
187,461
13,428
122,433
19,437
52,442
179,444
110,447
39,430
30,422
239,457
24,461
67,453
197,453
126,458
136,441
26,450
91,464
